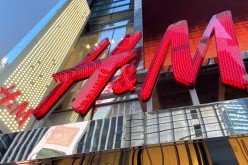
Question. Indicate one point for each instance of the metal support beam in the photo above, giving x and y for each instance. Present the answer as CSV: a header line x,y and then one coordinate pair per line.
x,y
221,91
194,97
147,106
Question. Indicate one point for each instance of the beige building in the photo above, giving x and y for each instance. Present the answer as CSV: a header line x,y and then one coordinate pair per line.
x,y
41,56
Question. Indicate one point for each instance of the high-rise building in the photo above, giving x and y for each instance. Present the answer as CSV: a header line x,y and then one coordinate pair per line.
x,y
207,125
40,54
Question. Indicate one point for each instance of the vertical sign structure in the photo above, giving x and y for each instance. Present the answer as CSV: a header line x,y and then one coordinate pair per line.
x,y
99,73
185,68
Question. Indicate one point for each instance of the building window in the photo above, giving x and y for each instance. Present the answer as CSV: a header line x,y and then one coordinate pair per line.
x,y
198,131
194,114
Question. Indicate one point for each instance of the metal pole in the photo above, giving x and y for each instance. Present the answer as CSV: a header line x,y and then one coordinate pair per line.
x,y
194,97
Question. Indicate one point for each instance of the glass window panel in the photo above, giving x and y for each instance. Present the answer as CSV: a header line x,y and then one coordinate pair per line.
x,y
102,7
152,128
137,128
61,118
210,120
152,138
194,114
121,8
107,34
81,144
137,136
102,2
104,134
85,44
117,37
106,1
164,113
208,113
116,109
180,124
111,133
166,136
165,126
111,25
212,127
121,109
181,133
102,12
89,136
108,5
97,135
179,117
178,112
119,132
152,122
151,116
198,131
110,10
122,2
214,133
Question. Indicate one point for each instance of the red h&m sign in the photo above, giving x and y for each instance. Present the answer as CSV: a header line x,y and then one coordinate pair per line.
x,y
185,68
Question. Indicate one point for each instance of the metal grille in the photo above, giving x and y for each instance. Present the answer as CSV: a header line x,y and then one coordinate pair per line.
x,y
161,126
173,125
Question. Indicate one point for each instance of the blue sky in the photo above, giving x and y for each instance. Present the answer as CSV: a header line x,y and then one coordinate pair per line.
x,y
17,18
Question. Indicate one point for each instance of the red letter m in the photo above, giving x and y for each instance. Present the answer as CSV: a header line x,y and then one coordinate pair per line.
x,y
185,68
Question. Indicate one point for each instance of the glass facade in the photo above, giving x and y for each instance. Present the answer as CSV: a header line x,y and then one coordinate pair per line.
x,y
100,8
191,131
235,114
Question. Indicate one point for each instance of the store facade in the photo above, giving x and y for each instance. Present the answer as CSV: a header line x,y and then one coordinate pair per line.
x,y
179,125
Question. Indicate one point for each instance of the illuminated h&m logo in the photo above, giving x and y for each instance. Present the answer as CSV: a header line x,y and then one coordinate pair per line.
x,y
185,68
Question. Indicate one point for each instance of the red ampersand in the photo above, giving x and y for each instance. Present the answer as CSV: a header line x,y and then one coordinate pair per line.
x,y
127,80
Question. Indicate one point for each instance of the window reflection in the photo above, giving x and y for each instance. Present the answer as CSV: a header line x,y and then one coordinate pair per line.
x,y
102,7
117,36
110,5
105,2
110,25
121,8
235,113
122,2
111,10
87,42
